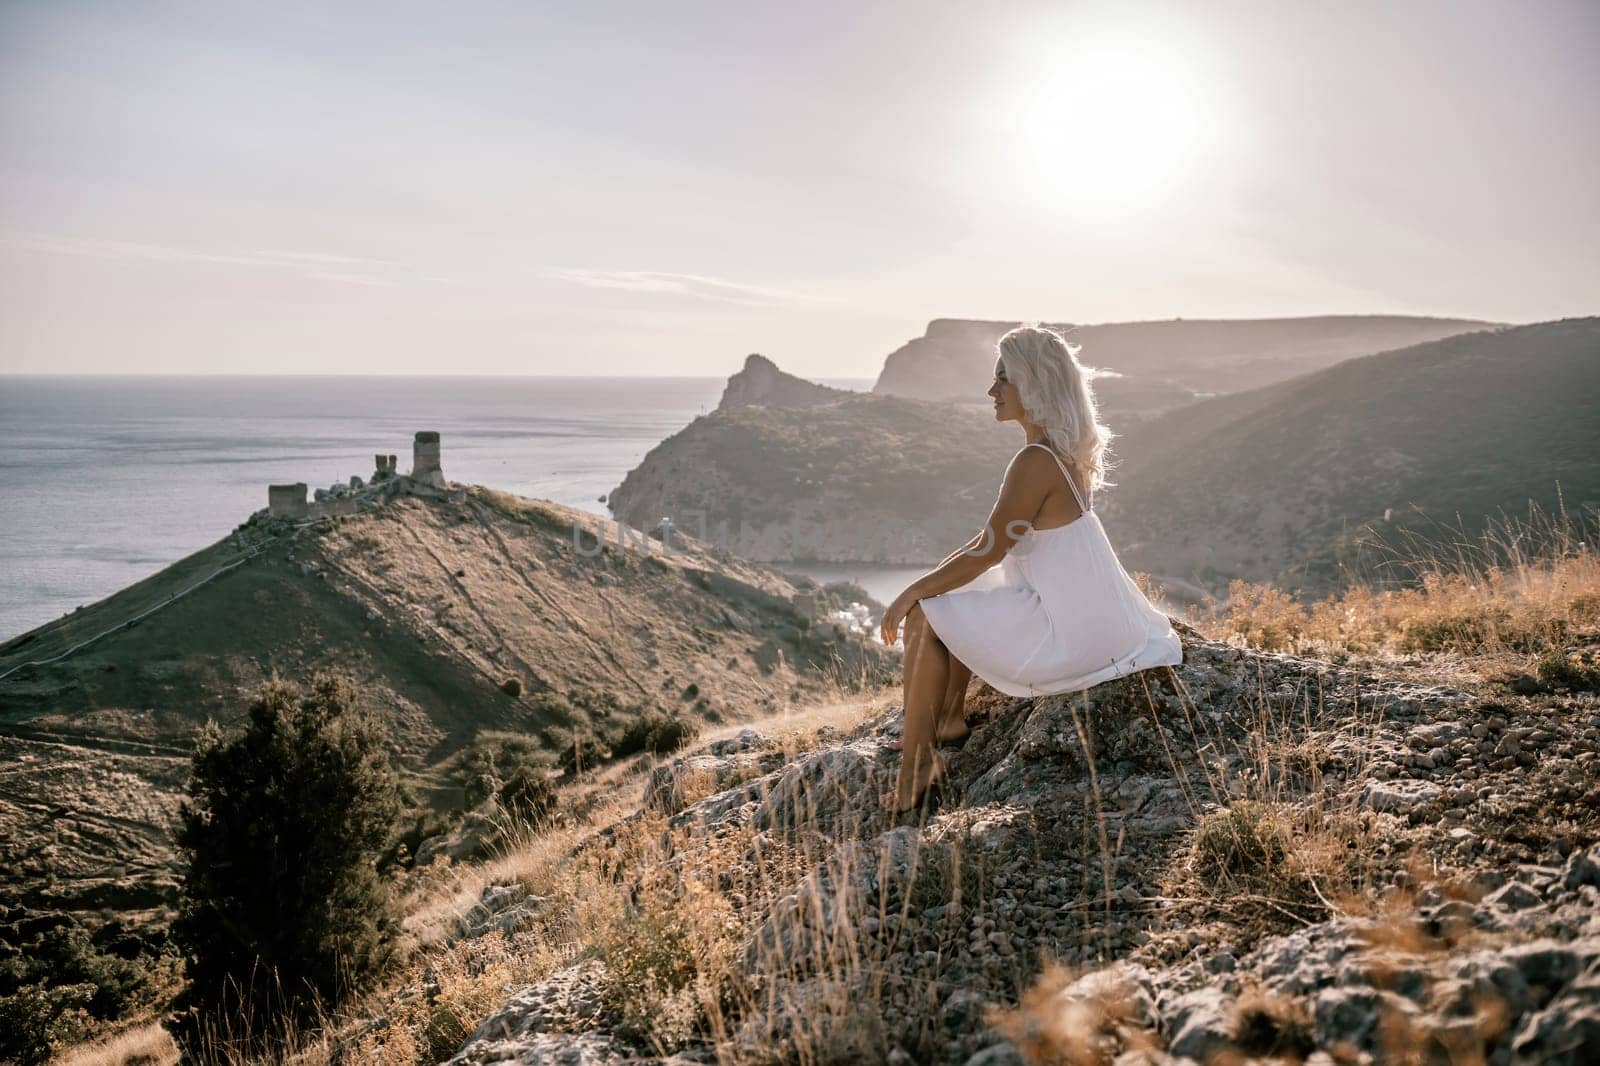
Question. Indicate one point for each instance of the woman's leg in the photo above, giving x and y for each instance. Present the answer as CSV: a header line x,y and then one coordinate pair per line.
x,y
953,715
950,723
926,679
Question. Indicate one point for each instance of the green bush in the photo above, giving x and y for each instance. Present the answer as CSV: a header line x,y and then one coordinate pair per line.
x,y
528,795
64,986
511,768
1555,669
1241,839
654,732
493,760
283,913
36,1021
585,752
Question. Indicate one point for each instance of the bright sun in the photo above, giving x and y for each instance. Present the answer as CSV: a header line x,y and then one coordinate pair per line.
x,y
1101,133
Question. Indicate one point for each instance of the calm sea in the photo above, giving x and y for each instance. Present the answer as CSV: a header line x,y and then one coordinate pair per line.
x,y
106,480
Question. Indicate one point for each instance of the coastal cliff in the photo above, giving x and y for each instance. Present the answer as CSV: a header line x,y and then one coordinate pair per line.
x,y
864,478
1303,482
761,382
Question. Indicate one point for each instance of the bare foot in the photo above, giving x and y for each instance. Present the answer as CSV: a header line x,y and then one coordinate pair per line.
x,y
908,792
945,735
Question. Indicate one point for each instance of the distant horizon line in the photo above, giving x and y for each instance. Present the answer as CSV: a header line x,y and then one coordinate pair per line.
x,y
17,375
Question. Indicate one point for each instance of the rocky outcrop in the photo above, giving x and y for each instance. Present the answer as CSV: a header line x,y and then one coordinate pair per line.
x,y
761,382
848,481
1082,828
952,360
1512,978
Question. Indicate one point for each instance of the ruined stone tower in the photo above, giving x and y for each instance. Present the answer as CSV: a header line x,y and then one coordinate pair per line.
x,y
287,501
425,459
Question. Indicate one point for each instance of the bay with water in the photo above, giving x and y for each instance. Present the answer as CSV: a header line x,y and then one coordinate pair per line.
x,y
106,480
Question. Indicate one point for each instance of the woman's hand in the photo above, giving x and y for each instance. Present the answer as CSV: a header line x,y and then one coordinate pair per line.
x,y
893,615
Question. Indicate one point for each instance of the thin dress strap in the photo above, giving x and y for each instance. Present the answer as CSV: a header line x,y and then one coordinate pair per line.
x,y
1084,507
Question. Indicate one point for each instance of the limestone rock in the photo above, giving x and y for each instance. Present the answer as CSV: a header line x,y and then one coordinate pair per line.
x,y
761,382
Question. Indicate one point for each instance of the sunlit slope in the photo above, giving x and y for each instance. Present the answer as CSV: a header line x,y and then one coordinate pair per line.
x,y
453,616
432,606
1279,483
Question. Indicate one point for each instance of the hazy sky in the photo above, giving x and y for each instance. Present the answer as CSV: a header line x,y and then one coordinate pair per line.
x,y
666,187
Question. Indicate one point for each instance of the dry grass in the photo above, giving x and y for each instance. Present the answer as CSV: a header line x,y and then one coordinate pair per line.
x,y
1275,846
147,1045
1061,1022
1521,587
663,909
447,996
669,911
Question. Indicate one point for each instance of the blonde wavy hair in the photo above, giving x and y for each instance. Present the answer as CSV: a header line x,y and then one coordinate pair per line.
x,y
1057,393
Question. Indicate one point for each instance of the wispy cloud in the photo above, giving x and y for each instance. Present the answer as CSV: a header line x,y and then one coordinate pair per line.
x,y
331,260
692,286
347,279
312,265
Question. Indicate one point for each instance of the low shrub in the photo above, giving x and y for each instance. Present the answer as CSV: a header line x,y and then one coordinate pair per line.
x,y
656,733
1241,839
528,796
1556,669
37,1020
584,753
66,987
492,760
667,958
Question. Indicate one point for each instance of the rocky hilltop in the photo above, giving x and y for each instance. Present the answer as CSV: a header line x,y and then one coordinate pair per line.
x,y
761,382
1249,857
456,613
861,478
1162,363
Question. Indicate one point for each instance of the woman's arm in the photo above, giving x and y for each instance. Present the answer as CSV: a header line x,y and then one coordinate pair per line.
x,y
973,542
1021,494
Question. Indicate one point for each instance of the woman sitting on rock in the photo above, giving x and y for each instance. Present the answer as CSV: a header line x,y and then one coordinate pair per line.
x,y
1067,616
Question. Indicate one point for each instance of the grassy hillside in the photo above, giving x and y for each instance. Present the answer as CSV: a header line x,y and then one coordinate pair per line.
x,y
1286,483
1376,841
455,617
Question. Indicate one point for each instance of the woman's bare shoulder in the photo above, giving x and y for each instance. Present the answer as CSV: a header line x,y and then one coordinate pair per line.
x,y
1032,464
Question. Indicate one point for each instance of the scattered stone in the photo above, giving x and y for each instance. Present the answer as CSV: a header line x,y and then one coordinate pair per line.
x,y
954,907
1402,796
501,908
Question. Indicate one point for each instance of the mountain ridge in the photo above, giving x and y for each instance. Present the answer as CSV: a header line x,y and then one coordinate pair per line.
x,y
1409,431
954,357
890,480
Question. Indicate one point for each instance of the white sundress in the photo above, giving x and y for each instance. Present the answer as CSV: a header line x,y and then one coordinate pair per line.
x,y
1066,616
